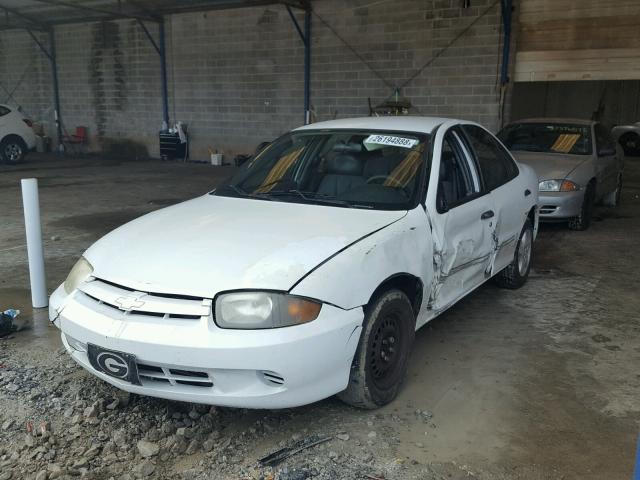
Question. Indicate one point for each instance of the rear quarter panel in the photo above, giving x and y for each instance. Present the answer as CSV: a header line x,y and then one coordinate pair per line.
x,y
15,125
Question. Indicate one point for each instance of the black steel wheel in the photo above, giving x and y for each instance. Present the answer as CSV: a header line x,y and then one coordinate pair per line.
x,y
380,363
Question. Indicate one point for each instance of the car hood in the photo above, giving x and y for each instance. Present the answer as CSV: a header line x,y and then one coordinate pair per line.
x,y
550,166
211,244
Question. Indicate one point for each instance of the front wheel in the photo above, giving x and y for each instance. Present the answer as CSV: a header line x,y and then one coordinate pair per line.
x,y
380,363
583,220
612,199
516,273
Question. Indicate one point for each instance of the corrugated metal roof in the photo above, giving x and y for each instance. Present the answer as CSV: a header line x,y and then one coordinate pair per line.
x,y
43,14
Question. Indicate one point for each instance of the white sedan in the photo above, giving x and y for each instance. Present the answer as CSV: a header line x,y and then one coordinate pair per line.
x,y
307,273
16,135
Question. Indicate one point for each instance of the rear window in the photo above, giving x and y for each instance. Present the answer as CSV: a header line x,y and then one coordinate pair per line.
x,y
547,138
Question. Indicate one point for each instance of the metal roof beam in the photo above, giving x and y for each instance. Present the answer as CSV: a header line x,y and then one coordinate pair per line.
x,y
34,24
103,11
208,5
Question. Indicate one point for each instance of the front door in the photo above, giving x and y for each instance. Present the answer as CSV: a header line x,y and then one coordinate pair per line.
x,y
463,226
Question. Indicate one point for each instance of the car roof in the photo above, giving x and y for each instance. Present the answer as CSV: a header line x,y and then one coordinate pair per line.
x,y
576,121
403,123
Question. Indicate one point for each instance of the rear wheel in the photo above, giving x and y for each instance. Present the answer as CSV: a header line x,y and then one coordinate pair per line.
x,y
583,220
516,273
12,149
380,363
630,143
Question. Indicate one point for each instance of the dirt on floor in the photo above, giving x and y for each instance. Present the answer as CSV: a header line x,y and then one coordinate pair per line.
x,y
538,383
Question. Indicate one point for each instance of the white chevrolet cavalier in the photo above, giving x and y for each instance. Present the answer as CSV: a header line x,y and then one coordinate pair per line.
x,y
307,273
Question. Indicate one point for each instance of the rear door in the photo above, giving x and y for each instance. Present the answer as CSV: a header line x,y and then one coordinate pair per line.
x,y
463,230
499,174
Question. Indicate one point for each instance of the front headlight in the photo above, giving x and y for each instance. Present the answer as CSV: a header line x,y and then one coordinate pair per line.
x,y
78,274
558,186
257,310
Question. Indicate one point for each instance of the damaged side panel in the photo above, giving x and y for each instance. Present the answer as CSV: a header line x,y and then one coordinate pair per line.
x,y
464,251
404,247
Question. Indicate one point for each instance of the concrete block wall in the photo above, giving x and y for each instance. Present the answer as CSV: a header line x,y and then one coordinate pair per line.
x,y
25,76
236,76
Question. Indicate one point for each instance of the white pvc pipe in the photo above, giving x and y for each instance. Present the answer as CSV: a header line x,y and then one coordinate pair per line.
x,y
31,204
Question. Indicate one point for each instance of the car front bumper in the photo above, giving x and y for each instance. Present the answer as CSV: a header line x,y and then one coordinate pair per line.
x,y
193,360
559,205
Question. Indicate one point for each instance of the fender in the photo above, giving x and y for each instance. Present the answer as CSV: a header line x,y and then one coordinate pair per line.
x,y
349,278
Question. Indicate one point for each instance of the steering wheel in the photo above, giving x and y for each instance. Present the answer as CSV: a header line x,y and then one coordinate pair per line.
x,y
376,178
395,183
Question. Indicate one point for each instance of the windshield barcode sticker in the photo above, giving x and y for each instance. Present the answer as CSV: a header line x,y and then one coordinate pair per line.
x,y
390,140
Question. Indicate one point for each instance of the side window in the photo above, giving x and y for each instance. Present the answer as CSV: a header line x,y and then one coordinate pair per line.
x,y
495,163
458,180
4,111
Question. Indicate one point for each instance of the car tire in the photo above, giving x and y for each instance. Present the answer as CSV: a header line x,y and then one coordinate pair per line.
x,y
630,143
380,363
583,221
12,149
612,199
516,273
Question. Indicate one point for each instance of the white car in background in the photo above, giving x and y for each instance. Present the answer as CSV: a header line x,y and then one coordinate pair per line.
x,y
16,135
307,273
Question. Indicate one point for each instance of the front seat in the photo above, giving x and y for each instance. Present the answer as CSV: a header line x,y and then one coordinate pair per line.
x,y
343,173
448,191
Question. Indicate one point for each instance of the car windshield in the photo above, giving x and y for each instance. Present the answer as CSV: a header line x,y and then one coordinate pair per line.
x,y
345,168
548,138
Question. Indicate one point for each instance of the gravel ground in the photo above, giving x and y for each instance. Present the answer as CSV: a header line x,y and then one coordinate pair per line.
x,y
58,421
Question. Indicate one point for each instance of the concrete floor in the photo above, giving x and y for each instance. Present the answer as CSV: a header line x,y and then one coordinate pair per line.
x,y
540,383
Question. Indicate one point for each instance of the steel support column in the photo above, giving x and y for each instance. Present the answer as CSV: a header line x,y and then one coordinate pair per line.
x,y
56,87
160,48
51,56
307,67
507,9
163,74
306,40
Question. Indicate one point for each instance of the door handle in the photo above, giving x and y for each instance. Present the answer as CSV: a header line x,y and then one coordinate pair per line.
x,y
487,214
527,192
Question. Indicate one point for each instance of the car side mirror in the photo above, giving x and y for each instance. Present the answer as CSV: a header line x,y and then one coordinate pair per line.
x,y
606,151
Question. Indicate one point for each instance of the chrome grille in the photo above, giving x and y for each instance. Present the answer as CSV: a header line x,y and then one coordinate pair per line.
x,y
127,301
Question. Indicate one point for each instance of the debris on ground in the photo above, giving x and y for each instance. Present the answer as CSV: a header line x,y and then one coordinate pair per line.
x,y
7,326
282,454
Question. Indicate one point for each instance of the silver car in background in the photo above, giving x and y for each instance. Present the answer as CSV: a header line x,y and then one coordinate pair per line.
x,y
578,164
628,136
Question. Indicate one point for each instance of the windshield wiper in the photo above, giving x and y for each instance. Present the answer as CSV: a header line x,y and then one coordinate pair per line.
x,y
317,197
246,194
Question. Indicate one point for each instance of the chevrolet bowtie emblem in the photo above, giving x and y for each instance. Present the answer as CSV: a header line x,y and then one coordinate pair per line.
x,y
129,303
